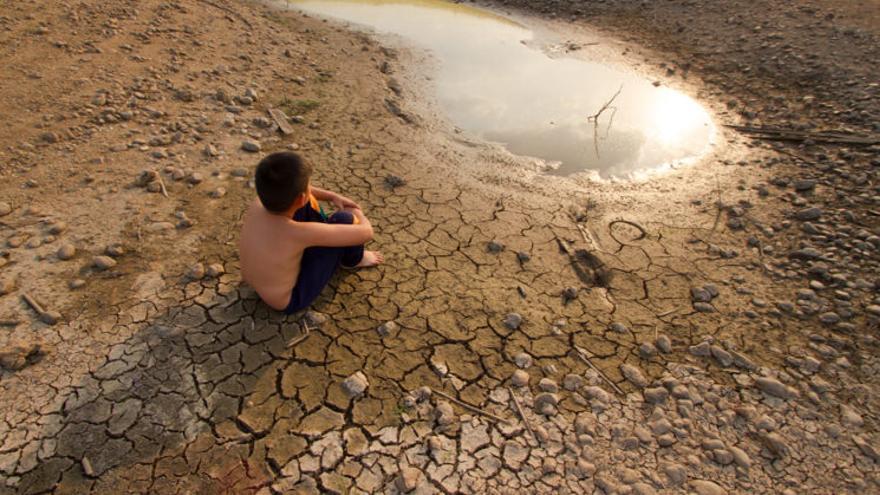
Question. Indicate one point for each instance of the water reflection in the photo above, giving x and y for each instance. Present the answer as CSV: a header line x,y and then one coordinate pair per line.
x,y
493,85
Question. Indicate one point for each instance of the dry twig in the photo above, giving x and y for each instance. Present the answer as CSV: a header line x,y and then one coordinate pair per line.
x,y
473,409
584,355
521,413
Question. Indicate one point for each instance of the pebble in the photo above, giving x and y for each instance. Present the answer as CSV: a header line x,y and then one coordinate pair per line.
x,y
7,285
545,403
355,385
218,193
386,328
114,250
705,487
656,395
251,146
573,382
103,262
76,283
618,327
513,321
522,360
664,344
214,270
494,247
50,317
774,387
633,375
196,272
548,385
5,208
519,378
808,214
66,251
394,181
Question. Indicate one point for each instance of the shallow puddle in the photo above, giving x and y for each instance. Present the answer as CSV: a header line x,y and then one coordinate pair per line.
x,y
492,84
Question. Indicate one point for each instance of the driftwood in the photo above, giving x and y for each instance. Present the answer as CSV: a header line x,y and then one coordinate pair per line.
x,y
521,413
584,355
827,137
280,119
473,409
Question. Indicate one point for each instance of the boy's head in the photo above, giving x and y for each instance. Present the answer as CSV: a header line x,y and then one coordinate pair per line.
x,y
281,178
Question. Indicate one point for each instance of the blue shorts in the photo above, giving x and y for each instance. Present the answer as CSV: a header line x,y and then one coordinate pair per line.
x,y
320,262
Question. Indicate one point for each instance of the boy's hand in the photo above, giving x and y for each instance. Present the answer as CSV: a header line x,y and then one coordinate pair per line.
x,y
341,202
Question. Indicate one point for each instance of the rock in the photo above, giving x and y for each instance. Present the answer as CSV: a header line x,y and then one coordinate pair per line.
x,y
214,270
103,262
548,385
57,228
850,417
76,283
808,214
569,294
774,387
314,318
444,413
5,208
114,250
394,181
519,378
522,360
573,382
703,349
386,328
211,150
251,146
66,251
240,172
867,448
218,193
700,294
801,185
7,285
676,473
50,317
618,327
513,321
196,272
740,457
647,350
196,178
775,444
408,479
545,403
705,487
355,385
704,307
633,375
87,468
522,257
723,357
656,395
664,344
494,247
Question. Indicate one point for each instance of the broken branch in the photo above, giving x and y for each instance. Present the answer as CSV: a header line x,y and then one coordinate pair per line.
x,y
473,409
584,355
521,413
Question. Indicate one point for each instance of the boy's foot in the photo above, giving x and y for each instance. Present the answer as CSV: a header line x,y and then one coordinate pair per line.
x,y
371,258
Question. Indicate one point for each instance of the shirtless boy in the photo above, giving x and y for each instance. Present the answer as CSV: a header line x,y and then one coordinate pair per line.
x,y
288,248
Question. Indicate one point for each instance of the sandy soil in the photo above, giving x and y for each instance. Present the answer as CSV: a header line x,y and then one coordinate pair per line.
x,y
724,345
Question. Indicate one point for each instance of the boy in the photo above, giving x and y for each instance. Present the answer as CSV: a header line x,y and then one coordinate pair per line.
x,y
288,248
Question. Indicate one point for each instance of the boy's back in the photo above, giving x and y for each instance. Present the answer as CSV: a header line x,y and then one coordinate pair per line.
x,y
288,248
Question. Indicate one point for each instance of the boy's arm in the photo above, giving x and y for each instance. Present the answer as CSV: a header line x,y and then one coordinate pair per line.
x,y
336,235
338,200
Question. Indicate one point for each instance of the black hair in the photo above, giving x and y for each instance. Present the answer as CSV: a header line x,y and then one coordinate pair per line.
x,y
280,179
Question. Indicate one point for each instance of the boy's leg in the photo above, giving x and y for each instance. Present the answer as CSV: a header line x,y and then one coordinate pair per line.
x,y
319,263
351,255
308,214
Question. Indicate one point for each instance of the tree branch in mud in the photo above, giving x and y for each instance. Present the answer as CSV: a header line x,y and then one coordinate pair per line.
x,y
594,119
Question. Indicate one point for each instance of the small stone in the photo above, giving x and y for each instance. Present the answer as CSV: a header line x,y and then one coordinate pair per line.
x,y
723,357
5,208
704,307
513,321
66,251
522,360
703,349
647,350
850,417
50,317
103,262
386,328
218,193
664,344
519,378
618,327
444,413
251,146
808,214
240,172
355,385
569,294
408,479
656,395
57,228
740,457
87,468
394,181
545,403
704,487
776,388
548,385
700,294
573,382
114,250
867,448
314,318
211,150
196,272
214,270
494,247
76,283
196,178
633,375
522,257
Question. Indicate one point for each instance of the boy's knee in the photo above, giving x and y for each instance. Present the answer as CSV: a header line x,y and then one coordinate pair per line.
x,y
341,217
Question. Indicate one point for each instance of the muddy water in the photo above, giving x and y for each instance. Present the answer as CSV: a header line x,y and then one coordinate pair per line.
x,y
493,82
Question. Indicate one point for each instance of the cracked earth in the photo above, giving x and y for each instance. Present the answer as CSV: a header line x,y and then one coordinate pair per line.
x,y
712,331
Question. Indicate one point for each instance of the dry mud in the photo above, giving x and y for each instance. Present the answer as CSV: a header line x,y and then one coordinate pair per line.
x,y
729,340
